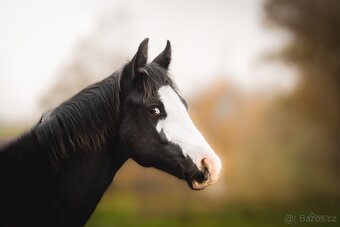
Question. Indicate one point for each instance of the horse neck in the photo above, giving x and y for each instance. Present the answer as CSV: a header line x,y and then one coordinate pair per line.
x,y
67,195
84,178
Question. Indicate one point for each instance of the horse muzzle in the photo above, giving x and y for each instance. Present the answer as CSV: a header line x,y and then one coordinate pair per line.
x,y
207,174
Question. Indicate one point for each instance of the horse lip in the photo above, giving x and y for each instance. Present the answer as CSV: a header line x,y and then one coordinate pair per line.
x,y
196,183
198,180
199,186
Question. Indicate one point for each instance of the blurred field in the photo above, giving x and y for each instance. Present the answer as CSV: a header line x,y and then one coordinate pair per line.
x,y
128,210
280,150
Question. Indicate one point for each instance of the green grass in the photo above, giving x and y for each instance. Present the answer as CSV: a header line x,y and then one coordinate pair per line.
x,y
124,209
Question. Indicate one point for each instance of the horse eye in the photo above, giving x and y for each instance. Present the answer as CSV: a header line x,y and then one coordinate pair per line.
x,y
155,111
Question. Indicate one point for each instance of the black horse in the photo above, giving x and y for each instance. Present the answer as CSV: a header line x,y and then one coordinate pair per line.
x,y
55,174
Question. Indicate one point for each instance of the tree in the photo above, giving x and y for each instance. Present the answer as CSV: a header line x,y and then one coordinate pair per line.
x,y
312,111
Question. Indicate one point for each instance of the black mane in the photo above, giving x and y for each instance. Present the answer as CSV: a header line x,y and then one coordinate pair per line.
x,y
83,122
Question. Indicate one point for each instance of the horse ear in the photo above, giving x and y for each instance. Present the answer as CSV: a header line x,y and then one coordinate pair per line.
x,y
164,58
141,57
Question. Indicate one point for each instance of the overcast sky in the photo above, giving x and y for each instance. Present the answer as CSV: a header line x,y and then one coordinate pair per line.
x,y
209,39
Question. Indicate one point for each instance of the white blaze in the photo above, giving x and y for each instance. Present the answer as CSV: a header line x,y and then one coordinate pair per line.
x,y
179,129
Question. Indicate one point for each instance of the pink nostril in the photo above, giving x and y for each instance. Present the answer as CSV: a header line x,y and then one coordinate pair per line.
x,y
206,164
209,172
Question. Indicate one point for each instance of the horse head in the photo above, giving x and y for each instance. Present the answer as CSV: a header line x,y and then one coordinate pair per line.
x,y
155,127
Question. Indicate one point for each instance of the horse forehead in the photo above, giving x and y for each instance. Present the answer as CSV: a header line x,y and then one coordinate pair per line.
x,y
171,100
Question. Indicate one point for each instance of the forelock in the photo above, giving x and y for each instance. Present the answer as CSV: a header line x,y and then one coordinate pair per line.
x,y
154,78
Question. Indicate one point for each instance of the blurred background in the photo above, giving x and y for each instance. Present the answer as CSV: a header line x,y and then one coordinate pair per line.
x,y
262,79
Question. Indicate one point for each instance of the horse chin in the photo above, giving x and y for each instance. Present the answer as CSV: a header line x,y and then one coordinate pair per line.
x,y
196,186
199,180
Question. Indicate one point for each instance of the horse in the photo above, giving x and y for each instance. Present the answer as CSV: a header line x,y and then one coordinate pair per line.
x,y
56,173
